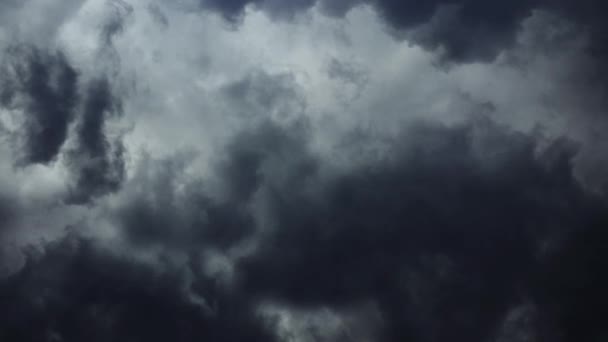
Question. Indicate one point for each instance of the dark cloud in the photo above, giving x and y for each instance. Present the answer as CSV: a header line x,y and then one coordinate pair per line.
x,y
570,288
97,161
187,220
77,291
469,232
445,236
456,228
465,232
8,212
97,164
45,87
473,30
194,218
588,14
264,156
460,30
232,10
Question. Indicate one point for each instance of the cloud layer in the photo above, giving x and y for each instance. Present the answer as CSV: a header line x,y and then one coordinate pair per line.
x,y
354,170
466,30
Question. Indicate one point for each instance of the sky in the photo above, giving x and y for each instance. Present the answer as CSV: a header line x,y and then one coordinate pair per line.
x,y
303,170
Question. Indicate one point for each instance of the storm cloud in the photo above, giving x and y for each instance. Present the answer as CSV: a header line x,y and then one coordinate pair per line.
x,y
461,31
444,247
97,164
440,236
44,86
303,171
77,289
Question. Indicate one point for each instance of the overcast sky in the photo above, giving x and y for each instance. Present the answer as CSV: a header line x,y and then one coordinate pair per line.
x,y
304,170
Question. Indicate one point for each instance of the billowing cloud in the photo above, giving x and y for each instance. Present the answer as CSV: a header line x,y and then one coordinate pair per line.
x,y
353,170
77,289
44,86
462,31
97,163
453,230
445,235
44,92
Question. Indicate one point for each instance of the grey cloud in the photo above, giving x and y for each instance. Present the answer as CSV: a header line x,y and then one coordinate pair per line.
x,y
201,217
266,155
76,290
470,231
262,95
114,25
45,90
190,220
50,17
96,162
8,213
445,236
350,77
45,87
157,13
232,10
461,31
10,4
447,233
345,71
261,88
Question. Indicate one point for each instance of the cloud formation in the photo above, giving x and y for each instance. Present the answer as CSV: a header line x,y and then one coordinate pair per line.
x,y
44,86
97,164
448,235
445,237
77,290
462,31
302,171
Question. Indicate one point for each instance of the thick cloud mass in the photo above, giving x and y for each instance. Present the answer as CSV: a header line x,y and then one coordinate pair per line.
x,y
303,171
462,30
77,291
98,166
44,87
447,235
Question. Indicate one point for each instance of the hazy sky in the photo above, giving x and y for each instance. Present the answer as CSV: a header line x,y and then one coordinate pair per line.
x,y
304,170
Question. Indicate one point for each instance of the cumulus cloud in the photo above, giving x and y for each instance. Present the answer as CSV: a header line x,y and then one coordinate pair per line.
x,y
44,86
452,230
444,236
97,164
43,90
77,289
353,170
462,31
